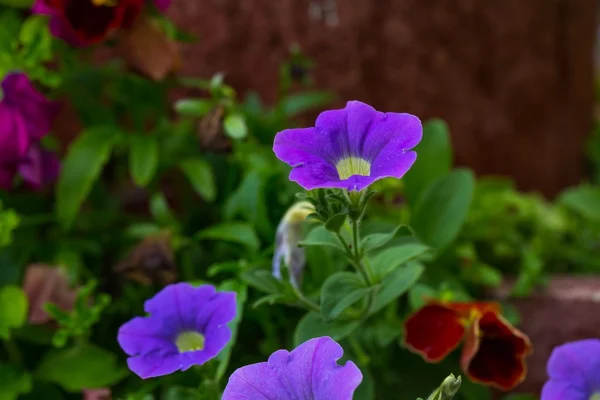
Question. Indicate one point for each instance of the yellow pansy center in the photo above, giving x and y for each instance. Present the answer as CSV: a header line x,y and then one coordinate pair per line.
x,y
105,3
595,396
353,166
189,341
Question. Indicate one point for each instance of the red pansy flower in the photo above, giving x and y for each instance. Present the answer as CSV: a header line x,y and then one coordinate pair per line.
x,y
494,352
87,22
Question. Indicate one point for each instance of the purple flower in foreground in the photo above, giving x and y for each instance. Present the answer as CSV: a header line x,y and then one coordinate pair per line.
x,y
309,372
574,370
350,148
25,117
187,326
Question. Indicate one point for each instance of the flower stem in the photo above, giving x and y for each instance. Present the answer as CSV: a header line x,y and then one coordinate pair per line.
x,y
306,301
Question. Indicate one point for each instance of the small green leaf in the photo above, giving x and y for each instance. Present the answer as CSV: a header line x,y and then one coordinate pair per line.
x,y
300,102
320,236
193,107
340,291
376,240
387,260
335,223
396,284
584,199
442,210
481,274
143,159
14,382
235,232
200,175
434,160
13,309
84,366
235,126
262,280
159,208
269,299
312,325
81,168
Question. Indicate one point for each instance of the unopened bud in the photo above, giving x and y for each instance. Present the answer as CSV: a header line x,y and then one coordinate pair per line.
x,y
447,389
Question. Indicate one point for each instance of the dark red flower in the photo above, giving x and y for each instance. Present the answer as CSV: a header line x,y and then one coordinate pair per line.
x,y
87,22
494,351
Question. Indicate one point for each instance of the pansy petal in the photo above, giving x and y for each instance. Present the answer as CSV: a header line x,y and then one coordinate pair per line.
x,y
178,305
559,390
309,372
433,332
577,363
494,352
150,365
145,335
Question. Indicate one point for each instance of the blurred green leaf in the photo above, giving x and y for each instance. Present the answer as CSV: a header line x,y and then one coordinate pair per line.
x,y
335,223
366,389
300,102
248,201
320,236
9,221
396,284
262,280
481,274
143,159
387,260
182,393
17,3
159,208
13,309
584,199
235,232
84,366
340,291
419,294
376,240
194,107
81,168
235,126
13,382
312,325
200,175
434,159
442,209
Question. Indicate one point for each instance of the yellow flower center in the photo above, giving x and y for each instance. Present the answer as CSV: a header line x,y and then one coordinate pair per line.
x,y
105,3
595,396
189,341
353,166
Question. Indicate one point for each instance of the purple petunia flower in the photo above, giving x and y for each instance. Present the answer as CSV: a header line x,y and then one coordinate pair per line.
x,y
187,326
25,117
350,148
574,370
309,372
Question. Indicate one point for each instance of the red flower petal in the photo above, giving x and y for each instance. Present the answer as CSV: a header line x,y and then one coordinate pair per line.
x,y
494,352
433,332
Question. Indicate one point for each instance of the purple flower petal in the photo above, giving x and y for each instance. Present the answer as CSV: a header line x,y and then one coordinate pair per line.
x,y
40,169
350,148
574,368
187,326
309,372
557,390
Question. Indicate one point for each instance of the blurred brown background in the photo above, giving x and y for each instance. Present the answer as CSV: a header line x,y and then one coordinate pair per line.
x,y
513,78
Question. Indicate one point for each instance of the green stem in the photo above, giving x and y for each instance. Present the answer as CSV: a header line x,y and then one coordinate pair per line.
x,y
352,257
306,301
14,355
361,356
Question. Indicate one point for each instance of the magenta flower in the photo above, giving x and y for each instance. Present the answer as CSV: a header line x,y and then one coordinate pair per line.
x,y
350,148
187,326
25,117
574,370
309,372
162,5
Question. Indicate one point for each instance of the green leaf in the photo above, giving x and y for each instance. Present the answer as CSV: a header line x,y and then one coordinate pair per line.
x,y
84,366
81,168
320,236
433,161
584,199
442,210
481,274
262,280
201,177
17,4
182,393
270,299
193,107
13,309
235,232
143,159
340,291
419,294
366,389
13,382
159,208
335,223
387,260
396,284
297,103
312,325
376,240
241,291
235,126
